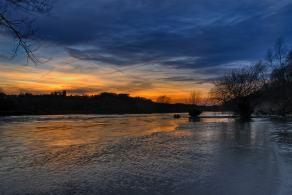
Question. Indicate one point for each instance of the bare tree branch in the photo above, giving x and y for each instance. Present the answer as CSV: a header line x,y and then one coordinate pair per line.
x,y
21,42
39,6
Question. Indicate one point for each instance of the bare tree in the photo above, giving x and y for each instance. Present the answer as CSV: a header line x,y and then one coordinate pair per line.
x,y
239,88
195,98
163,99
280,88
277,55
280,51
13,25
270,57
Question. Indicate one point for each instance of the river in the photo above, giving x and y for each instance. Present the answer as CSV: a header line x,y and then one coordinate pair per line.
x,y
145,154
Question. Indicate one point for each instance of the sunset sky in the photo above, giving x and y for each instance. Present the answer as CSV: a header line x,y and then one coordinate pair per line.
x,y
141,47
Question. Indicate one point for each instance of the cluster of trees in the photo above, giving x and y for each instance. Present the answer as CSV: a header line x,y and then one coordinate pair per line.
x,y
163,99
105,103
265,88
195,98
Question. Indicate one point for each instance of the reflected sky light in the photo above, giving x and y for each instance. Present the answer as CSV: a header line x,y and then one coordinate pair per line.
x,y
154,153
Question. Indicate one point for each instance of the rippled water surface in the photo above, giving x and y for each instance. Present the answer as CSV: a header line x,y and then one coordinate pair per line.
x,y
144,154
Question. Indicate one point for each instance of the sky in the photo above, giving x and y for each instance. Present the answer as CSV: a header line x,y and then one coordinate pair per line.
x,y
142,47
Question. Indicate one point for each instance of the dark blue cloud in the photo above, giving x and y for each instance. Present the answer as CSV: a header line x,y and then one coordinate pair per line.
x,y
191,34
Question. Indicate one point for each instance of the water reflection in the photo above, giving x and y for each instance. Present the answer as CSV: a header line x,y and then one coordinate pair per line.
x,y
136,154
282,133
242,132
285,137
58,143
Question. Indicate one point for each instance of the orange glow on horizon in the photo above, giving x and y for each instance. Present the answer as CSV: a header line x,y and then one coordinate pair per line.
x,y
38,80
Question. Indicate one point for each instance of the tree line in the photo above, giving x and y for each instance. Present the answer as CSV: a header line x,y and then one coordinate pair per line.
x,y
104,103
262,88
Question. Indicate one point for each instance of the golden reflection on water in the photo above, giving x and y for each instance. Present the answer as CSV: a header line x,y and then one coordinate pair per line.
x,y
105,152
59,140
69,139
64,141
64,133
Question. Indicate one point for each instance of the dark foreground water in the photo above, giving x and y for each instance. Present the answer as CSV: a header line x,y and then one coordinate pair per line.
x,y
144,154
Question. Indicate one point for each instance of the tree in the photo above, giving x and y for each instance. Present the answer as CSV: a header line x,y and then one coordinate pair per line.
x,y
280,51
240,87
163,99
281,83
13,25
1,92
276,56
195,98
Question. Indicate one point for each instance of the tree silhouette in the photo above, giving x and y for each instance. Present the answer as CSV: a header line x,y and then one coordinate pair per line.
x,y
195,98
163,99
277,55
281,83
61,103
239,88
13,25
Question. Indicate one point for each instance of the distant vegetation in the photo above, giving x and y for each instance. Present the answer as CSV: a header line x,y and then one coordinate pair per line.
x,y
195,98
163,99
263,88
105,103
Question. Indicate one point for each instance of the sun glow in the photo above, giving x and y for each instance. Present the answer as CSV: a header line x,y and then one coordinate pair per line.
x,y
55,77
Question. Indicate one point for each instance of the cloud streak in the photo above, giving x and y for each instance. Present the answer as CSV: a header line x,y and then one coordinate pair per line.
x,y
184,41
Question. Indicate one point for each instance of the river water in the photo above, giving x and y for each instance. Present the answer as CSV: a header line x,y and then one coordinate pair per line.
x,y
144,154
